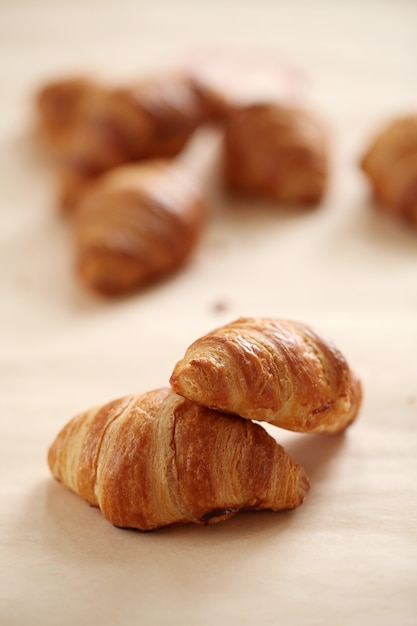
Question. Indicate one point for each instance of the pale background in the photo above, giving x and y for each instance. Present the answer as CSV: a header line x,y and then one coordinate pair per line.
x,y
349,554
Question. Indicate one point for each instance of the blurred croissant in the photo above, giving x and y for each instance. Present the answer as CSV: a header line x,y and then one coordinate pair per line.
x,y
273,370
136,224
275,152
158,460
96,128
391,166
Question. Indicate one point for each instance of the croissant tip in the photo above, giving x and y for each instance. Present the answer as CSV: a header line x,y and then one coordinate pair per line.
x,y
303,486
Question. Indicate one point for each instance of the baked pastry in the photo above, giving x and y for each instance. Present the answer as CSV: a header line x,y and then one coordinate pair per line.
x,y
136,224
158,460
274,370
275,152
391,166
109,126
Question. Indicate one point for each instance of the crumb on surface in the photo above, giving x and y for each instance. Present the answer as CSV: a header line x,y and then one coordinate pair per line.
x,y
219,306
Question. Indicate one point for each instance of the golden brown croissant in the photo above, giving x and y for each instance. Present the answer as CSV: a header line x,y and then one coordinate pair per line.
x,y
273,370
391,166
104,127
136,224
276,152
157,460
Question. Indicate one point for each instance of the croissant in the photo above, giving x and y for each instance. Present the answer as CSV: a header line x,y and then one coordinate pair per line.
x,y
275,152
158,460
109,126
136,224
274,370
391,166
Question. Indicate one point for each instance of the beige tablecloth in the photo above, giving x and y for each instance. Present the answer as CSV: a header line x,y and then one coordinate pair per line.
x,y
349,554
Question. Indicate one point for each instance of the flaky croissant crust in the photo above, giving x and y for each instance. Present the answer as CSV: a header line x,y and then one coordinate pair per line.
x,y
275,370
157,460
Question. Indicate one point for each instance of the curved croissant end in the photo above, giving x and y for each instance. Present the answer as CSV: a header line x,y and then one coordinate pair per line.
x,y
391,166
273,370
158,459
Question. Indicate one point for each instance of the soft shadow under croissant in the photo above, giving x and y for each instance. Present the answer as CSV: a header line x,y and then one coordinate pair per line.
x,y
158,460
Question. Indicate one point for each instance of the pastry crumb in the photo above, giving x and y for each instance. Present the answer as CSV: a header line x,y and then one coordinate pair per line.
x,y
219,306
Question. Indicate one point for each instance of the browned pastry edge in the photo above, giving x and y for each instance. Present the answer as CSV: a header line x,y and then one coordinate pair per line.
x,y
390,163
274,370
158,460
